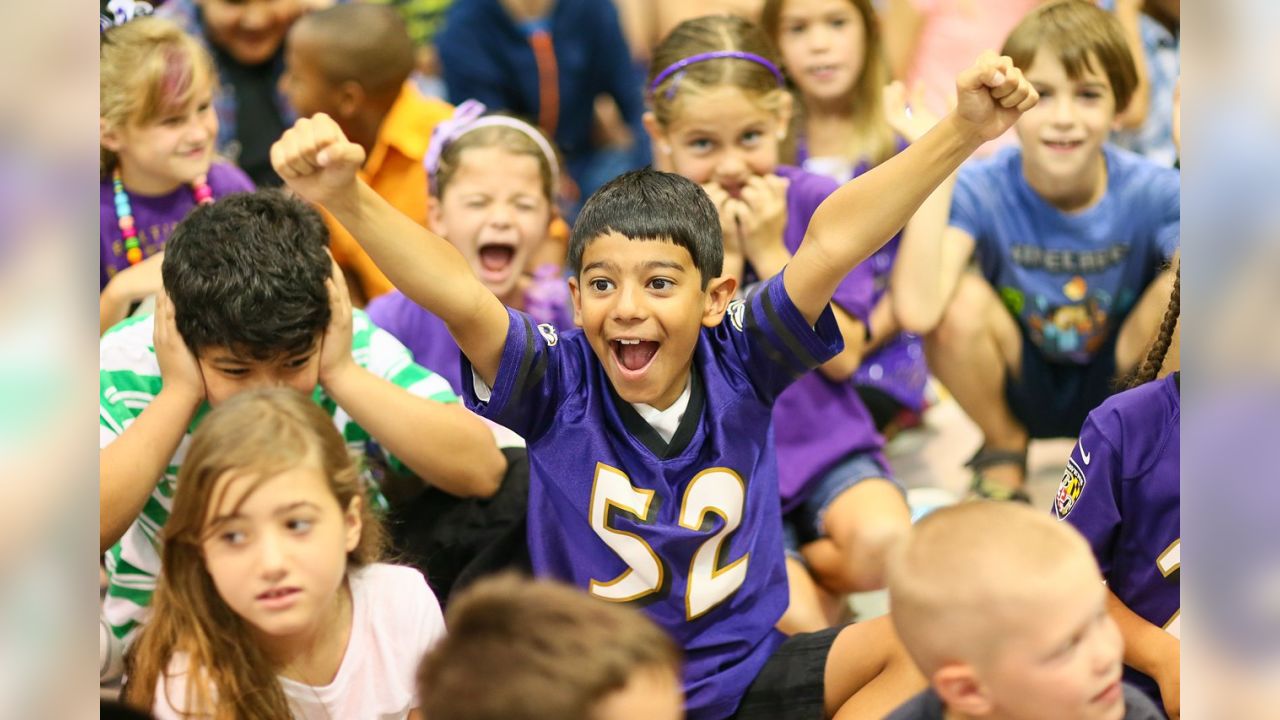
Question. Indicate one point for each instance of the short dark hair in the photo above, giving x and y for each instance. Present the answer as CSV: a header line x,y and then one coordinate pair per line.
x,y
248,272
652,205
521,649
1075,30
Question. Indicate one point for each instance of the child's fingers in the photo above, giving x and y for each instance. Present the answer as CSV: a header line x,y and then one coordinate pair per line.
x,y
778,185
984,72
1012,83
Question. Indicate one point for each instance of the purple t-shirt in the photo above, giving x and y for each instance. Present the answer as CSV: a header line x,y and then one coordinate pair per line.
x,y
689,530
428,338
817,422
155,217
1121,491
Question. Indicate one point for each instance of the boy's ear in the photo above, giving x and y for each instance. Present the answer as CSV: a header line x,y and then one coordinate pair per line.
x,y
719,292
353,522
350,98
108,136
962,691
575,293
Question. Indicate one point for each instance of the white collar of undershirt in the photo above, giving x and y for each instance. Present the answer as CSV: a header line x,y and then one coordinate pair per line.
x,y
665,422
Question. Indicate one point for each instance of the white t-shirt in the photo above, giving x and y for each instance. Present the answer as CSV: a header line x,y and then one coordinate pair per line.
x,y
395,619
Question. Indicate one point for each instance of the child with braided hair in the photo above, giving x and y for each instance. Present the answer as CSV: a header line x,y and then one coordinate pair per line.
x,y
1121,490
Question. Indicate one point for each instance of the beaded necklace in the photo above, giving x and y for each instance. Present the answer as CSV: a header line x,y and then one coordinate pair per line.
x,y
124,212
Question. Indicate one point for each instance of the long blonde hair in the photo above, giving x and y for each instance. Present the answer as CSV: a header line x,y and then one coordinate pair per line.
x,y
265,432
872,140
148,67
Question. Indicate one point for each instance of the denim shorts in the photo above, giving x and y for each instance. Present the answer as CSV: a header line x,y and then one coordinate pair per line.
x,y
805,524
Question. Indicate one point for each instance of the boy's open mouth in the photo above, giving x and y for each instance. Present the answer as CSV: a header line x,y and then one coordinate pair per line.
x,y
632,354
495,258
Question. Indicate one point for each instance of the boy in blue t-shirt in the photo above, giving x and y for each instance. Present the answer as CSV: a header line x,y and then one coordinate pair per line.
x,y
652,472
1071,239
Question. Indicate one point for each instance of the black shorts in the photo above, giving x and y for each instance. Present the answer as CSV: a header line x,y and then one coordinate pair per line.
x,y
1052,399
791,684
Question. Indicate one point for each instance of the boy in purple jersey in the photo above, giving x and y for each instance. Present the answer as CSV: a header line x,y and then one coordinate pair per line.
x,y
1121,490
653,479
1005,612
1071,239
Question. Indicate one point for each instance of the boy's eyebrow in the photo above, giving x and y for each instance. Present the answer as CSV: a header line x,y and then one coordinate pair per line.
x,y
610,266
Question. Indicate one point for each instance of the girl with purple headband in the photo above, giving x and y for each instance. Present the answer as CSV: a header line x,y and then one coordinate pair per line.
x,y
719,116
492,182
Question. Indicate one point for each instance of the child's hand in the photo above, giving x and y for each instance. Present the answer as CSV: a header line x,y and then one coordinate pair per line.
x,y
335,346
765,218
179,369
316,160
991,96
909,118
729,226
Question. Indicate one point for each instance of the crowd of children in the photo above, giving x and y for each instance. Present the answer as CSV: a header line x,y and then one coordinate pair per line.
x,y
474,340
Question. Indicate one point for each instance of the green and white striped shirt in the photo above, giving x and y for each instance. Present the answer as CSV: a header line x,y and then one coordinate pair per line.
x,y
129,379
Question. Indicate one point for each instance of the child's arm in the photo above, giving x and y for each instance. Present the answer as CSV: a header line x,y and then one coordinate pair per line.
x,y
320,164
127,287
1150,650
866,212
931,260
131,465
444,444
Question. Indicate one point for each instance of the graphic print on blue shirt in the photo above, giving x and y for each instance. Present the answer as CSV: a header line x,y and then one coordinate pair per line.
x,y
691,530
1069,278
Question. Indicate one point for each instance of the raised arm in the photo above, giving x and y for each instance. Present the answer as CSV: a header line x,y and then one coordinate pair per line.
x,y
866,212
318,162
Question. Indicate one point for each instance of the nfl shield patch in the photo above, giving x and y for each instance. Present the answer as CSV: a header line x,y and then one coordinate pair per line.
x,y
1069,490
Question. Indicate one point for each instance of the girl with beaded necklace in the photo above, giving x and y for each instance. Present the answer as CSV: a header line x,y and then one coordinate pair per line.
x,y
157,130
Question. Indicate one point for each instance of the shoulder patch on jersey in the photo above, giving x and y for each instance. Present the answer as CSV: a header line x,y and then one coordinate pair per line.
x,y
1069,490
548,332
737,309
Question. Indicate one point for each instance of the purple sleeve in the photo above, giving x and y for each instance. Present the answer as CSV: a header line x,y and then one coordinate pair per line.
x,y
774,344
1089,494
535,368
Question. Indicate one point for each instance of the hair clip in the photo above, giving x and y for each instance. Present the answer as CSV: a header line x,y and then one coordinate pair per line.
x,y
122,11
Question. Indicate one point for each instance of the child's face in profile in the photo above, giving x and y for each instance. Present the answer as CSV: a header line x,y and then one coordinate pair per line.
x,y
249,30
723,136
1062,657
641,305
650,694
1062,135
305,85
822,44
228,373
160,154
496,213
278,556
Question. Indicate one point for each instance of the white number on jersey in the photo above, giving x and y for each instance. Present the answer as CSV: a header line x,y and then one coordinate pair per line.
x,y
718,490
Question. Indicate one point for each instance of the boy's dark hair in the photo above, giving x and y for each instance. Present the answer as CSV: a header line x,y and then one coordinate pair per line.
x,y
652,205
1076,30
364,43
521,649
248,273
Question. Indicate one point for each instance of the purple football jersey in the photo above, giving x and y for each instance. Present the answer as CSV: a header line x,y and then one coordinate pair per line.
x,y
1120,490
691,530
817,422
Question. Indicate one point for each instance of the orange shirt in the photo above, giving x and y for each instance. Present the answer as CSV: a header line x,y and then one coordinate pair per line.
x,y
394,171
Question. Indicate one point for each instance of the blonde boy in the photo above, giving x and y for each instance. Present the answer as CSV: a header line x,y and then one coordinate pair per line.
x,y
1004,611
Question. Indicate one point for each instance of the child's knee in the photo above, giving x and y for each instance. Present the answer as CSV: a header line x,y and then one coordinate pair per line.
x,y
965,317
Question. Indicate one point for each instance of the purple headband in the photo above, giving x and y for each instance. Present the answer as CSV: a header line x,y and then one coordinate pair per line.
x,y
468,116
680,65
